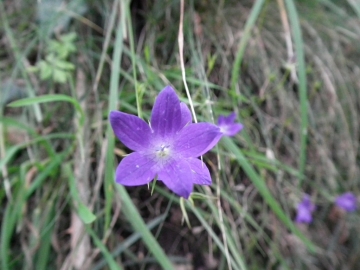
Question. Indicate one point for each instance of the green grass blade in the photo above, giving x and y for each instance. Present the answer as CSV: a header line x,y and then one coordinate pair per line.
x,y
7,228
43,254
130,241
230,241
13,212
259,183
237,263
14,149
133,61
10,153
83,211
139,225
299,50
19,58
50,98
109,259
213,235
10,122
236,69
113,102
254,14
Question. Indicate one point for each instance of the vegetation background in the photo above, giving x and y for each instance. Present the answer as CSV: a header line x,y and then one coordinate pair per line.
x,y
289,69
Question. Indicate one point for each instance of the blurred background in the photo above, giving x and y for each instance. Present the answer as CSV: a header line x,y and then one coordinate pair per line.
x,y
290,71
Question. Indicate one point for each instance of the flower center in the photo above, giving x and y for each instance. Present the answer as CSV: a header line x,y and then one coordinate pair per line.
x,y
163,151
223,129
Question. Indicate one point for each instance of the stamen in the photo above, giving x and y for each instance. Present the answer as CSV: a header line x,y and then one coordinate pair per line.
x,y
163,151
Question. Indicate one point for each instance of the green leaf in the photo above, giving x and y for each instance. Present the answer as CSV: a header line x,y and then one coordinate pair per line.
x,y
64,65
85,214
45,70
60,76
68,38
32,69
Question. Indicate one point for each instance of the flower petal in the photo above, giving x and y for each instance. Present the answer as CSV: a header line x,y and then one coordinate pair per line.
x,y
303,216
223,120
186,117
132,131
196,139
304,210
200,172
231,129
166,114
347,201
228,126
135,170
177,176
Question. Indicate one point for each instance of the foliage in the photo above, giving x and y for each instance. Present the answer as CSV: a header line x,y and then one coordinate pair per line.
x,y
56,67
288,69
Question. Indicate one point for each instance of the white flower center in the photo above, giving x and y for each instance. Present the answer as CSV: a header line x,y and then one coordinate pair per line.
x,y
224,129
163,151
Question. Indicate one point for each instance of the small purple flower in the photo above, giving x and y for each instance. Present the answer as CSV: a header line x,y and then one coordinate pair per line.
x,y
168,148
304,210
347,201
227,125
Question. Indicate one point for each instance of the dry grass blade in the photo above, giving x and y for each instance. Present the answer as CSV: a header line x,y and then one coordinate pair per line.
x,y
80,241
181,56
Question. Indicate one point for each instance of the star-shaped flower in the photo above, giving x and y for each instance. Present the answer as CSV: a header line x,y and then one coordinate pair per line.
x,y
347,201
227,125
304,210
168,148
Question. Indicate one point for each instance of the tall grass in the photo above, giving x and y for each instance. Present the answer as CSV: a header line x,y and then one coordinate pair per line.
x,y
288,69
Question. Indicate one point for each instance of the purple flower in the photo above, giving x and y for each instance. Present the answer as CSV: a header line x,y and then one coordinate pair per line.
x,y
347,201
304,210
168,148
227,125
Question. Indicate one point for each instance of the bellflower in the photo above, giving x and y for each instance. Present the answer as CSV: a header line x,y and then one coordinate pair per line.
x,y
304,210
167,148
347,201
227,125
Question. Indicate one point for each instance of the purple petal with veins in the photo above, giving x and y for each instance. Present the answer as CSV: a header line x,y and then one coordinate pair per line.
x,y
177,176
195,140
166,114
186,117
200,173
132,131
